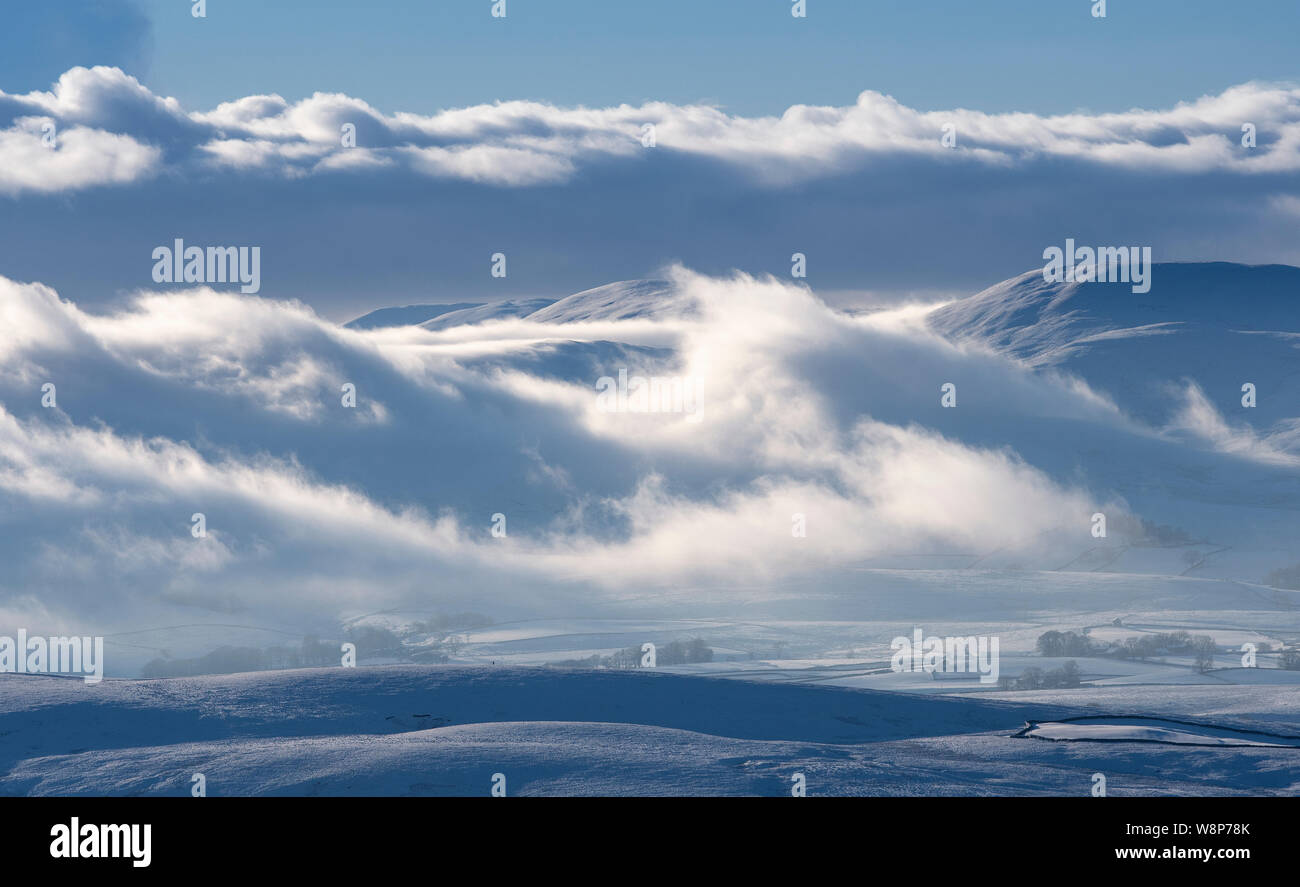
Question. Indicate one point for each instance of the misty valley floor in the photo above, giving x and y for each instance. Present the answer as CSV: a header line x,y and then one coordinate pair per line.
x,y
800,683
445,730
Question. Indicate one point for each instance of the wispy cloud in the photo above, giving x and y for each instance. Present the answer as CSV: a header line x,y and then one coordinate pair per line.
x,y
1199,418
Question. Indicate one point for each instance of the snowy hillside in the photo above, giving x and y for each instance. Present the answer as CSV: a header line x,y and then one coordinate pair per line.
x,y
624,300
406,315
490,311
1216,325
447,731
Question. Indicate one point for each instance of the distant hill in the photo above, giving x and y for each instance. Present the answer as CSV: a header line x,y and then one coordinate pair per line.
x,y
1216,324
406,315
488,311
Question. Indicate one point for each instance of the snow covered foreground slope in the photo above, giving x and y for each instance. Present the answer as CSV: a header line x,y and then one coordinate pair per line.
x,y
410,730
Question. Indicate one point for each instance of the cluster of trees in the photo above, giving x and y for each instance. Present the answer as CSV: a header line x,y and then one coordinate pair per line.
x,y
677,653
1201,647
1065,643
1034,678
1068,643
1286,577
670,653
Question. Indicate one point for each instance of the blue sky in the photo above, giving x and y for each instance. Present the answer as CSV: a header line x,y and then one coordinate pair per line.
x,y
749,56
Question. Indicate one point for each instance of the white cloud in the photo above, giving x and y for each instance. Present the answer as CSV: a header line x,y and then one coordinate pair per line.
x,y
228,405
494,165
117,129
1199,418
77,158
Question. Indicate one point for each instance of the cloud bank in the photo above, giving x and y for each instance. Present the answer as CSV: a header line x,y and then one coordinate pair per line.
x,y
798,461
118,131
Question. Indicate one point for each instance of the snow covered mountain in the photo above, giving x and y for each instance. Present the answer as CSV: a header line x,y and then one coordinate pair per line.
x,y
488,311
623,300
1215,326
406,315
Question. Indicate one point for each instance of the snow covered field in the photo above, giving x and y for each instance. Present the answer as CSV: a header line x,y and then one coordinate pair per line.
x,y
782,696
445,730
